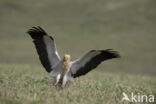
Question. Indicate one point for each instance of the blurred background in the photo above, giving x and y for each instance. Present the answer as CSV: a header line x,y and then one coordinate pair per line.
x,y
127,26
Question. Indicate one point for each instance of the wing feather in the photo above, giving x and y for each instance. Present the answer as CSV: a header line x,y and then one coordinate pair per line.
x,y
91,60
45,47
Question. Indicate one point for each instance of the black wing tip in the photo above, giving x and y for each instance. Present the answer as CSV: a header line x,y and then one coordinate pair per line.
x,y
112,53
36,31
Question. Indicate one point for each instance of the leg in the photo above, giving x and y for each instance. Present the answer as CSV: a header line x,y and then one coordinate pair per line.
x,y
57,79
65,79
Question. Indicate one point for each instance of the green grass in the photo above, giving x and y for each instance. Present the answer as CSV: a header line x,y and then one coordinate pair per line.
x,y
31,84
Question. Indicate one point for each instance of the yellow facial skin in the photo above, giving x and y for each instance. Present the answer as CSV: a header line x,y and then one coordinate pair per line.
x,y
66,58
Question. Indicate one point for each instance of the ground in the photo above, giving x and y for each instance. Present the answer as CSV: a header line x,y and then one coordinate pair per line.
x,y
31,85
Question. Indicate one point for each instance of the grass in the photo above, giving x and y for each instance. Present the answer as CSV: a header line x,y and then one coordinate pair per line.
x,y
30,84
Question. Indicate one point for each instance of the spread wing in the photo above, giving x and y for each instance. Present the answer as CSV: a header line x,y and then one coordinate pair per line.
x,y
45,47
90,61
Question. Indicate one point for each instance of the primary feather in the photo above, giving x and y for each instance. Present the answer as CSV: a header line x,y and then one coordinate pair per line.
x,y
91,60
45,47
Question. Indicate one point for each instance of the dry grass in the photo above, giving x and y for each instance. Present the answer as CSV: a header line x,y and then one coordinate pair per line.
x,y
30,84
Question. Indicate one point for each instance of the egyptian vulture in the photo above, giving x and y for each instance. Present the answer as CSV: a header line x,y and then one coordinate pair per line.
x,y
62,71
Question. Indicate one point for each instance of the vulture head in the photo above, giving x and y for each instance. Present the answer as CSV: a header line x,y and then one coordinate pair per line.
x,y
66,57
